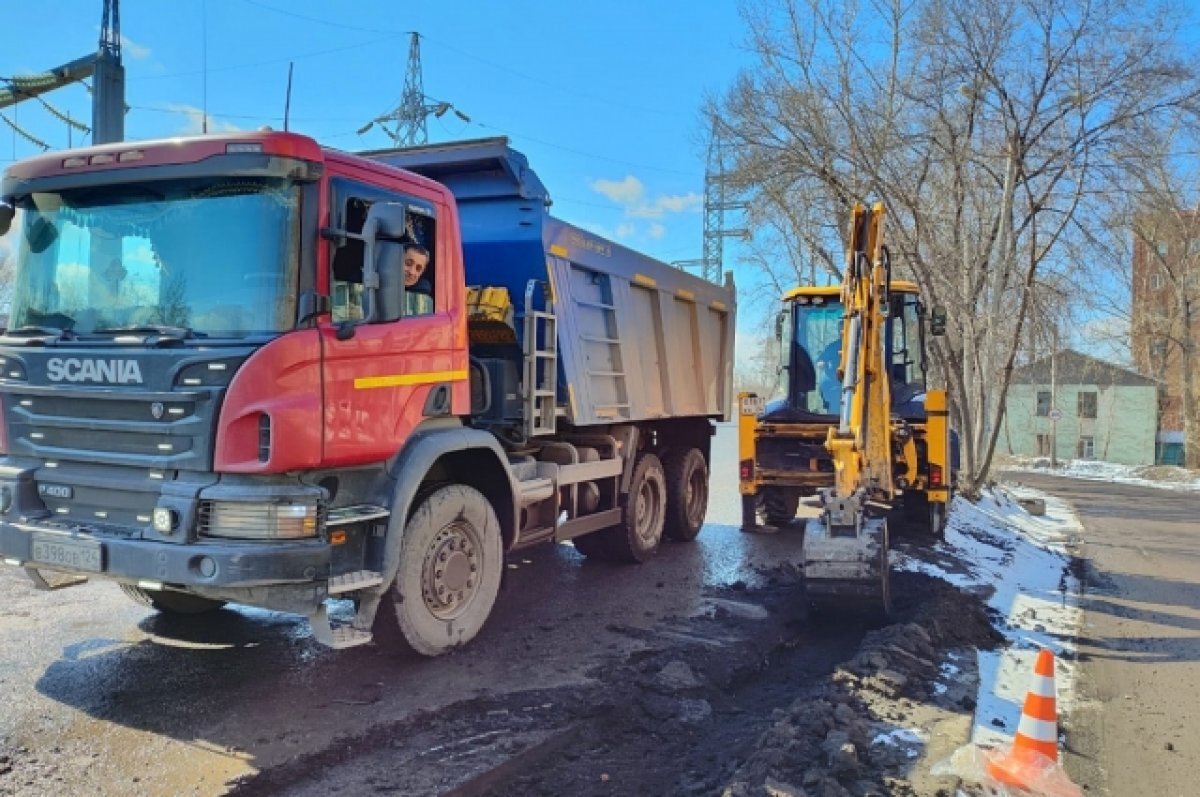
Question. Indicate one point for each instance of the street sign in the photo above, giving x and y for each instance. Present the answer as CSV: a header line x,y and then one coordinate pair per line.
x,y
1055,415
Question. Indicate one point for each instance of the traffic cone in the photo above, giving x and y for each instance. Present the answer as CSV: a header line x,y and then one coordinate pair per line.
x,y
1032,763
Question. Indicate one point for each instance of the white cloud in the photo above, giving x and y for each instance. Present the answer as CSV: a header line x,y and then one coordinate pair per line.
x,y
626,230
662,205
133,49
195,121
657,231
625,192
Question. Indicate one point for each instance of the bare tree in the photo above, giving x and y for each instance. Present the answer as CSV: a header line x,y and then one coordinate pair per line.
x,y
981,126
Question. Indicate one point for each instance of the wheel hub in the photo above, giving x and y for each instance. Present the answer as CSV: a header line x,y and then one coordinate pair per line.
x,y
450,571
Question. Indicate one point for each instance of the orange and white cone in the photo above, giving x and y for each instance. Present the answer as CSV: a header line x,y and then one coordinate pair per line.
x,y
1032,763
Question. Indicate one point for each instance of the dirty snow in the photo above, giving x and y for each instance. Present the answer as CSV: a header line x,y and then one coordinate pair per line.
x,y
1019,564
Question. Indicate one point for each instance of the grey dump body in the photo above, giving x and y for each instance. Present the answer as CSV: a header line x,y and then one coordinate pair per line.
x,y
638,339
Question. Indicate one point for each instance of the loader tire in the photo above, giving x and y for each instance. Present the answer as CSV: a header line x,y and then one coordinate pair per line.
x,y
687,494
778,506
925,518
171,602
451,561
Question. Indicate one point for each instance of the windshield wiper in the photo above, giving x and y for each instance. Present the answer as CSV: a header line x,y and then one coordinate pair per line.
x,y
33,330
180,333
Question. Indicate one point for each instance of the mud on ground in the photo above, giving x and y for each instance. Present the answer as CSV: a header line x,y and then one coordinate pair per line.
x,y
795,706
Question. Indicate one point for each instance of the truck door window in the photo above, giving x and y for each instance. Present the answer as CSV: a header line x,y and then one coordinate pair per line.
x,y
352,202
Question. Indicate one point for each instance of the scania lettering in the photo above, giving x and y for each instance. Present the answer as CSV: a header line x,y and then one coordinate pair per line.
x,y
123,372
216,385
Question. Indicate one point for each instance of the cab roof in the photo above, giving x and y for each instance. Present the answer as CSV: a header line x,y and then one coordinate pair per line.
x,y
900,286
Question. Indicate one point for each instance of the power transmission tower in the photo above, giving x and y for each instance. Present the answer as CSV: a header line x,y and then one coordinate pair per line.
x,y
717,202
108,94
405,125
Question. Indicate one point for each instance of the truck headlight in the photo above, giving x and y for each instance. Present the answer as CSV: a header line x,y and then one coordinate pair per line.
x,y
259,521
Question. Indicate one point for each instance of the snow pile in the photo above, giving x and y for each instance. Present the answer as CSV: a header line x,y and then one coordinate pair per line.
x,y
1162,476
1021,565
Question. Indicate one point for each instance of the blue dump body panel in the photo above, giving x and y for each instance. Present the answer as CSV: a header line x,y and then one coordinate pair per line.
x,y
637,339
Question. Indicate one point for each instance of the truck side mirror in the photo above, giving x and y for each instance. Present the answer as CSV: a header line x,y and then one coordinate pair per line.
x,y
386,221
390,267
937,321
6,216
780,320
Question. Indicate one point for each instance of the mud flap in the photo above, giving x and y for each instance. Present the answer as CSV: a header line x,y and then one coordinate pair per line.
x,y
52,580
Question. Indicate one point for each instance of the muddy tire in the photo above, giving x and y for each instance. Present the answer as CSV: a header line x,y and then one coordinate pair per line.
x,y
924,517
644,513
778,506
171,602
687,494
451,560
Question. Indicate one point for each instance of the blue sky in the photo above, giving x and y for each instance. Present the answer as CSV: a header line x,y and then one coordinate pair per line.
x,y
604,98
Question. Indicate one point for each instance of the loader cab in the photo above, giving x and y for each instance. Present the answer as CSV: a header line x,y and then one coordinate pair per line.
x,y
810,334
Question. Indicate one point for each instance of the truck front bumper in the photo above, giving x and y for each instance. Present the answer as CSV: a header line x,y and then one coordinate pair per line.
x,y
203,567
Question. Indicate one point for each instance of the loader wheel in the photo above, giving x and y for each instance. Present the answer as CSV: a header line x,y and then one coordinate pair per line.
x,y
777,506
926,518
451,560
171,602
687,494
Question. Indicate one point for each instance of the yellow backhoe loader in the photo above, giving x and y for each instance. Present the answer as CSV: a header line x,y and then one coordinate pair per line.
x,y
857,425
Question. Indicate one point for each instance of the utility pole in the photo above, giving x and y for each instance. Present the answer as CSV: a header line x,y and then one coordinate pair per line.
x,y
717,202
406,123
108,93
1054,410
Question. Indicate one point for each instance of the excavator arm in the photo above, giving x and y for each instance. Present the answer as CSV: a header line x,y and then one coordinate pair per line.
x,y
845,550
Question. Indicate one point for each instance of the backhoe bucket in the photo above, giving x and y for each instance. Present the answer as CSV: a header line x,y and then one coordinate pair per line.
x,y
844,570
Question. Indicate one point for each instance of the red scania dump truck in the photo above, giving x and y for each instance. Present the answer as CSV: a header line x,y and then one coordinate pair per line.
x,y
219,385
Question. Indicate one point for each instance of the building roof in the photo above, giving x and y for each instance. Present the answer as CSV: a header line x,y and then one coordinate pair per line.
x,y
1073,368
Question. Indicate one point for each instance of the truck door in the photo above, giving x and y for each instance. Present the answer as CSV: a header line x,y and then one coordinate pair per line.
x,y
384,377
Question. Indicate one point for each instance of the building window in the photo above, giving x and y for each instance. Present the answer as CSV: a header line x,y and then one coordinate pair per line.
x,y
1043,445
1087,404
1087,447
1157,281
1158,349
1043,403
1162,249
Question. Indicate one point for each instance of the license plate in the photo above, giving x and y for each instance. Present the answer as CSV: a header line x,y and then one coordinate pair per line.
x,y
73,554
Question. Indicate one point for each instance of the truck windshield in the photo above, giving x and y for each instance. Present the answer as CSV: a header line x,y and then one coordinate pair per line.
x,y
213,258
818,337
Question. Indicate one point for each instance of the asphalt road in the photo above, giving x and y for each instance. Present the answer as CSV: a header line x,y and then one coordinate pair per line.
x,y
1136,729
100,696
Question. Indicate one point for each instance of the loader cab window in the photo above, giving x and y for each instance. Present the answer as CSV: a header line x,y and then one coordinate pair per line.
x,y
905,348
817,333
415,249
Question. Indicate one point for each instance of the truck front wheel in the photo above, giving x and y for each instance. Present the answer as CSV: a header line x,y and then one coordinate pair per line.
x,y
451,560
687,494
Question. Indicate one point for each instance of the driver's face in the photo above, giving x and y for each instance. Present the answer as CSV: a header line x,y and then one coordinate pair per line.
x,y
414,267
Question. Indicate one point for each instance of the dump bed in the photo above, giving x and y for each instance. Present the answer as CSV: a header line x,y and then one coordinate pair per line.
x,y
637,338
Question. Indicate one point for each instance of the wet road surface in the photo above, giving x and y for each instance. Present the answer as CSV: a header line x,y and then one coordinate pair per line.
x,y
1136,730
104,697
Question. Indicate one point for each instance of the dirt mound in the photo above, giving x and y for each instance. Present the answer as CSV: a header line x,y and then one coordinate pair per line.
x,y
849,735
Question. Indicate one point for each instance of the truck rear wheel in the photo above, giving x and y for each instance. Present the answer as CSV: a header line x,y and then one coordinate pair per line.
x,y
644,512
687,494
171,602
451,560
